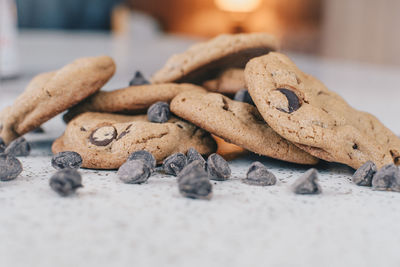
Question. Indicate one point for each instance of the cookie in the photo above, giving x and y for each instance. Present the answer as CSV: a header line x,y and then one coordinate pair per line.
x,y
105,141
230,81
49,94
227,150
302,110
238,123
130,100
204,61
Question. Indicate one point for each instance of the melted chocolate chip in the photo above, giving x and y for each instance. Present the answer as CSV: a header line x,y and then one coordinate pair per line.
x,y
293,100
103,136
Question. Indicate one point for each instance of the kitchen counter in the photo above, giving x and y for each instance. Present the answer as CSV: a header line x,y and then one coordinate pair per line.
x,y
108,223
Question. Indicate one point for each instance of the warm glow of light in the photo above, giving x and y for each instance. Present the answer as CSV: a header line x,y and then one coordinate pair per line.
x,y
238,5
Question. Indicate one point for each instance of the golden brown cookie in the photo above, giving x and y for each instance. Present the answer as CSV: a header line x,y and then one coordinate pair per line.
x,y
238,123
106,140
229,81
130,100
301,109
49,94
204,61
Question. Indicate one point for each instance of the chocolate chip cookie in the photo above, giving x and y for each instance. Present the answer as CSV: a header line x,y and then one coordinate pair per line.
x,y
204,61
238,123
49,94
105,141
130,100
229,81
302,110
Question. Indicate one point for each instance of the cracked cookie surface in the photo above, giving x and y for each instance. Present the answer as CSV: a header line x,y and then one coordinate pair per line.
x,y
51,93
130,100
204,61
105,141
238,123
301,109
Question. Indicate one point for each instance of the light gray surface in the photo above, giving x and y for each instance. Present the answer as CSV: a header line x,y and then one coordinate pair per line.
x,y
112,224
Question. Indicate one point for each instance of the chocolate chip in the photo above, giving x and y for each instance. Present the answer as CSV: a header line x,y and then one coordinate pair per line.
x,y
134,172
103,136
174,164
293,100
158,112
66,160
138,79
258,174
65,182
307,183
193,182
244,96
387,179
10,167
363,175
144,156
193,155
38,130
217,167
2,145
18,148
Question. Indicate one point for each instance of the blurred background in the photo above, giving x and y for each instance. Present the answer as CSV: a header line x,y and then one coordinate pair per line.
x,y
348,30
363,30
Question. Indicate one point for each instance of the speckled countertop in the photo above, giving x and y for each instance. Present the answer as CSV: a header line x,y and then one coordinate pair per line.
x,y
113,224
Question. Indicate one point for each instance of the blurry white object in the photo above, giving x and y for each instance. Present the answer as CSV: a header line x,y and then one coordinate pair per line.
x,y
8,39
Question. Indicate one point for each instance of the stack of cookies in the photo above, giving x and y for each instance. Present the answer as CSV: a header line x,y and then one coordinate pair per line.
x,y
233,89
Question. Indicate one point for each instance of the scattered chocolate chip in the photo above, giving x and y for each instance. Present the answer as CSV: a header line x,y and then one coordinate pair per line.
x,y
65,182
103,136
218,168
158,112
2,145
363,175
66,159
387,179
10,167
243,96
174,164
38,130
144,156
193,155
193,182
258,174
307,183
293,100
134,172
18,148
138,79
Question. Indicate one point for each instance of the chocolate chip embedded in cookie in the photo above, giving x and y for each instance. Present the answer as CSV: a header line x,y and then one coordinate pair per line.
x,y
49,94
228,81
131,100
109,139
204,61
302,110
238,123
